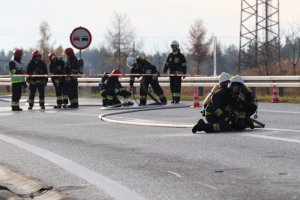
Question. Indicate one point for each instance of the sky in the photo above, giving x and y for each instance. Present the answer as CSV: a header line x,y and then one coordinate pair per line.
x,y
156,22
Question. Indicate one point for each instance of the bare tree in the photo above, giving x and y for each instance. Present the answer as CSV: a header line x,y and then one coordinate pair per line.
x,y
120,37
43,44
291,50
199,48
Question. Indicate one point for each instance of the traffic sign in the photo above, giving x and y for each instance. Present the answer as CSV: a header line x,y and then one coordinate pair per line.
x,y
80,38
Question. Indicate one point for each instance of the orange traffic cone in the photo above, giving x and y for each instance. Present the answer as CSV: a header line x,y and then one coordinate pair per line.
x,y
275,95
196,98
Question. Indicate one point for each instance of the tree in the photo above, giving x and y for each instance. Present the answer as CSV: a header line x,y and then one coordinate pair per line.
x,y
199,48
291,50
43,44
121,38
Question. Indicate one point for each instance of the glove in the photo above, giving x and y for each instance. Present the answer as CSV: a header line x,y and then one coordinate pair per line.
x,y
155,76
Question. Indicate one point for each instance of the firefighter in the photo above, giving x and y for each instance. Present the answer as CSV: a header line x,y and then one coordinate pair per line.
x,y
72,67
140,65
37,67
112,88
57,67
244,101
176,64
224,80
17,82
102,87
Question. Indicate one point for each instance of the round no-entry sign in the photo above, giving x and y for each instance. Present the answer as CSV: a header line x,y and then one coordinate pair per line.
x,y
80,38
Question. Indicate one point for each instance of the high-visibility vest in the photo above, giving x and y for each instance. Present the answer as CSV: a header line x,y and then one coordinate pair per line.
x,y
19,68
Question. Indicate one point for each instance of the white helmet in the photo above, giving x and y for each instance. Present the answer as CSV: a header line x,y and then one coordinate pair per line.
x,y
224,77
131,61
175,43
235,79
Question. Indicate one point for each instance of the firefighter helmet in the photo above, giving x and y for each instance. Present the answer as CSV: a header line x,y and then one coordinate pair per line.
x,y
116,72
237,79
131,61
69,52
234,81
35,54
224,77
51,55
18,53
175,43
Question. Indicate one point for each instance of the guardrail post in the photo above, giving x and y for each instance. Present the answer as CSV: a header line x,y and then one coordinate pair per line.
x,y
281,91
200,91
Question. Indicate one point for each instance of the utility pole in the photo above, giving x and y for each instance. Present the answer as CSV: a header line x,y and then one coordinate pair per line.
x,y
259,33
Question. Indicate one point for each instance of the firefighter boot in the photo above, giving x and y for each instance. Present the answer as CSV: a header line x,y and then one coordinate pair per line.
x,y
173,100
42,106
249,123
30,106
57,106
200,126
163,100
16,108
177,99
73,105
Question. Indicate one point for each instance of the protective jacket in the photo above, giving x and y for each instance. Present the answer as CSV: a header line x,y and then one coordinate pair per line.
x,y
143,67
37,67
56,68
176,63
16,68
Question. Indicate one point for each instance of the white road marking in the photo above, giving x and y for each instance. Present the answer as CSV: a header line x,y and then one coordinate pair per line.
x,y
114,189
174,173
281,130
273,138
286,112
206,185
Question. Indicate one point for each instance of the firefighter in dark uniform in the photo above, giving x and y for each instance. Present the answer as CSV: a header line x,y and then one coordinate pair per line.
x,y
244,101
112,88
37,67
218,113
57,67
17,82
72,67
176,64
102,87
140,65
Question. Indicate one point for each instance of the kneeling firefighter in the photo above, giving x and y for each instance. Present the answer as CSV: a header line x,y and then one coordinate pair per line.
x,y
218,113
140,65
244,101
112,88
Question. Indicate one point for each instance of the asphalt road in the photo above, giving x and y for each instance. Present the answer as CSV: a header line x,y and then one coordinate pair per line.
x,y
86,158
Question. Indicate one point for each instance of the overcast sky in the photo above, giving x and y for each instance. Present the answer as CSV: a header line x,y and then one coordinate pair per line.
x,y
156,22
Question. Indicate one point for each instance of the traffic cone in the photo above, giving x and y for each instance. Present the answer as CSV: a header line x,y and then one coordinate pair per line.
x,y
196,98
275,95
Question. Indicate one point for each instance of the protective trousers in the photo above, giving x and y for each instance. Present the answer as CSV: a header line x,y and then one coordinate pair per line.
x,y
216,124
32,90
175,86
61,93
16,94
145,82
110,98
73,92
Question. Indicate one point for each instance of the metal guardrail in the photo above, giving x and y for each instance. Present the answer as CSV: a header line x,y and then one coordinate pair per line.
x,y
251,81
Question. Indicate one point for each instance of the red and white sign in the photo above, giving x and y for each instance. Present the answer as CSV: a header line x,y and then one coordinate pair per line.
x,y
80,38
